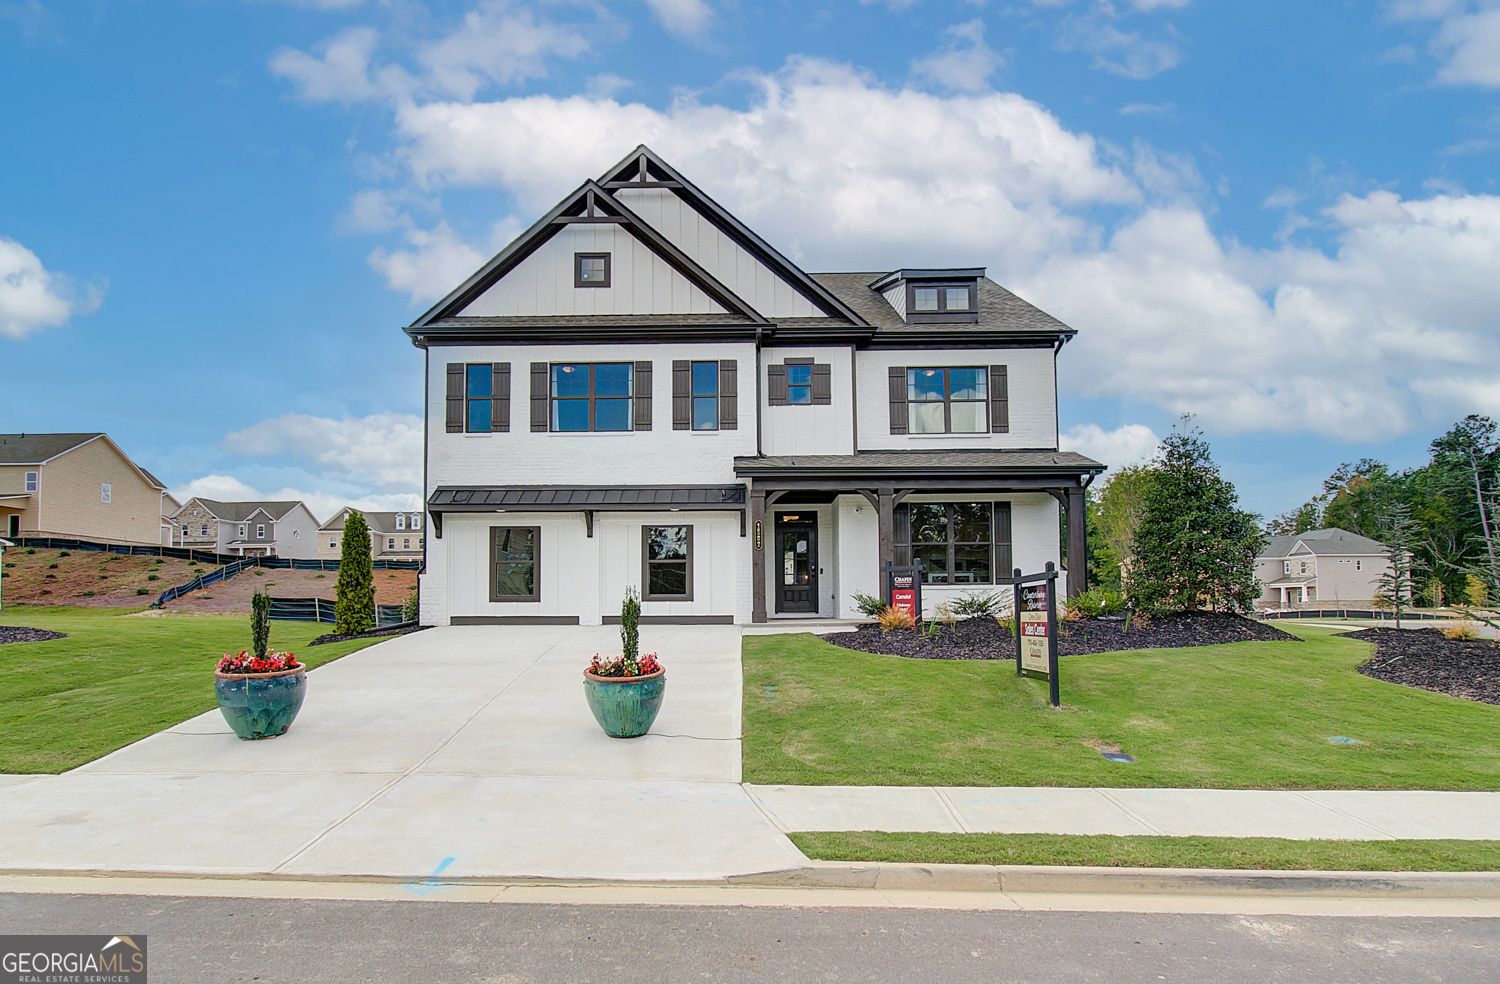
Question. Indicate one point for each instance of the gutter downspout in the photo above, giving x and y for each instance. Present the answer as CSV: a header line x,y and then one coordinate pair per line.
x,y
758,449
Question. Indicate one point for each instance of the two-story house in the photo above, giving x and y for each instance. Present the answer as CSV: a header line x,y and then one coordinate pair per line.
x,y
393,535
247,529
640,391
79,486
1320,568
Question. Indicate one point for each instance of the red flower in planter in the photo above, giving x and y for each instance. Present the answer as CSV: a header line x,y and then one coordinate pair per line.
x,y
243,662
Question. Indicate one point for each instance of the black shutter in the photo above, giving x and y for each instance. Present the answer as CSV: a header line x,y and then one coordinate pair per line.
x,y
898,399
682,395
1003,553
540,397
999,400
822,384
500,396
729,395
641,400
776,386
455,397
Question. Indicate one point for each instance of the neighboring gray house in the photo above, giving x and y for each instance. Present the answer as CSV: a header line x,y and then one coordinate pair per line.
x,y
270,529
393,535
1320,568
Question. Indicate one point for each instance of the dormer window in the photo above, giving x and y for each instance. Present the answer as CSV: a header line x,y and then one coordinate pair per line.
x,y
933,296
590,269
401,521
940,299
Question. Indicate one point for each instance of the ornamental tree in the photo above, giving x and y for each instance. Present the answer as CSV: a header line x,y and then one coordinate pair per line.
x,y
354,611
1193,547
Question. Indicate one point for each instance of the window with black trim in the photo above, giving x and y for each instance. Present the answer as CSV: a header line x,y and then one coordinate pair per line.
x,y
941,302
799,382
667,563
591,269
478,391
705,396
514,565
591,396
948,400
954,540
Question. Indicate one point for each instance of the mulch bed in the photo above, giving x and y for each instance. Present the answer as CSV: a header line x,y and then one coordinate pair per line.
x,y
394,630
19,633
1425,659
988,639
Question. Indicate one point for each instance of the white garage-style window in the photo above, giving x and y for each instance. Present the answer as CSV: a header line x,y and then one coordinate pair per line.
x,y
515,569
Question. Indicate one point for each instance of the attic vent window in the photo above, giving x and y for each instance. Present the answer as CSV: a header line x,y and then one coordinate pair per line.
x,y
591,269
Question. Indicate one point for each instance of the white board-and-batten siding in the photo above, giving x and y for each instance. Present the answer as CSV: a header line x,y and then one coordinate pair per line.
x,y
640,281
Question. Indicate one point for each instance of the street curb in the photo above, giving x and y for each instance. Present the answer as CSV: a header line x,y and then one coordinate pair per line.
x,y
1060,879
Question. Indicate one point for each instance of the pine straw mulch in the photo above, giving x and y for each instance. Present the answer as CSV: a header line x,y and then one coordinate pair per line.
x,y
988,639
393,630
19,633
1427,660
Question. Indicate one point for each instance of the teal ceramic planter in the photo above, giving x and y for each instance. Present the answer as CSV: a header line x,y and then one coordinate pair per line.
x,y
625,707
260,705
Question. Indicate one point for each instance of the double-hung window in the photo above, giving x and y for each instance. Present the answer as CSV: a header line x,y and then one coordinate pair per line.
x,y
799,382
105,492
241,533
478,390
390,543
514,553
591,396
401,521
31,481
955,541
667,562
260,531
705,396
949,400
203,531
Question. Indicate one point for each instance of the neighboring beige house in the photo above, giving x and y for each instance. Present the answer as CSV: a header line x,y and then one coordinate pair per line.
x,y
249,529
80,486
1320,568
393,535
169,508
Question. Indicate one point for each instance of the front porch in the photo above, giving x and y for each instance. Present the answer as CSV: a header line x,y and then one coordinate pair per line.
x,y
884,481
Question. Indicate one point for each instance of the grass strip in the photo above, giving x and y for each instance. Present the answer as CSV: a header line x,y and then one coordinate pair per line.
x,y
1255,853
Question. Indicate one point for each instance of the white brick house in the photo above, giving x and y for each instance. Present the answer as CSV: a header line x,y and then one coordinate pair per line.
x,y
639,391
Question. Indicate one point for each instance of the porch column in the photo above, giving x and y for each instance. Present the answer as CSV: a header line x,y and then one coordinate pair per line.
x,y
758,534
1078,572
885,509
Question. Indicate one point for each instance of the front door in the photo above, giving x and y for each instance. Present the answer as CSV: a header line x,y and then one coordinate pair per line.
x,y
14,522
797,564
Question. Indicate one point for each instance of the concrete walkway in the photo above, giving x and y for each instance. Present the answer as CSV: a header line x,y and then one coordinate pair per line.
x,y
464,751
1300,815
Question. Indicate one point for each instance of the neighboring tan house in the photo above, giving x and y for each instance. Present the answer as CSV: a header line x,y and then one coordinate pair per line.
x,y
249,529
1320,568
393,535
640,392
79,486
169,508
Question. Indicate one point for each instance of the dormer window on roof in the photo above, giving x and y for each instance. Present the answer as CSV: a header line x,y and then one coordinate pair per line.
x,y
933,296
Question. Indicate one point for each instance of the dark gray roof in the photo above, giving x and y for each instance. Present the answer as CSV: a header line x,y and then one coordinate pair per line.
x,y
33,449
238,512
999,309
451,498
1332,542
592,320
380,522
936,462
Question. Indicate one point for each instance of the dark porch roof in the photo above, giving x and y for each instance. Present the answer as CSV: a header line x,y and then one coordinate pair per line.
x,y
484,498
894,465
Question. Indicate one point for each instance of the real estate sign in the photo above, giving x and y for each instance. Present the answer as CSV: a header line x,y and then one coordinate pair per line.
x,y
1036,655
904,590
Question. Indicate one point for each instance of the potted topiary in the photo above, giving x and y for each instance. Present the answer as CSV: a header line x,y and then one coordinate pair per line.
x,y
625,693
260,692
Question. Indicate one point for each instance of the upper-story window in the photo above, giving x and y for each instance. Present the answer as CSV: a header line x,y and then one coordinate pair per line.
x,y
949,400
105,492
31,481
260,531
591,396
591,269
941,302
478,397
479,387
204,530
705,396
241,533
416,521
401,521
799,382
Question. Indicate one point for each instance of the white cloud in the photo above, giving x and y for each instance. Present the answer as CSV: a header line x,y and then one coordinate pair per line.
x,y
385,448
1127,54
1467,39
225,488
1159,4
1148,109
32,297
340,72
686,18
965,63
895,5
499,42
438,261
1130,444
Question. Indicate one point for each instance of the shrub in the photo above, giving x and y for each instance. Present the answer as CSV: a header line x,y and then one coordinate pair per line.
x,y
260,623
88,594
868,605
153,577
942,618
52,567
315,576
63,554
411,608
354,608
32,550
1095,602
892,618
978,604
630,627
1462,631
259,573
142,591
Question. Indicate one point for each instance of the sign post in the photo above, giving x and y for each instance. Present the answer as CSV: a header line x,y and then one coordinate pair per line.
x,y
903,588
1034,597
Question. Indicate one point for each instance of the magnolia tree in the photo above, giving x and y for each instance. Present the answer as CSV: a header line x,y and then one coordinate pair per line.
x,y
1193,547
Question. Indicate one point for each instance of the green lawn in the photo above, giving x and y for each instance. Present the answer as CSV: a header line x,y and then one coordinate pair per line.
x,y
1263,853
1246,715
116,679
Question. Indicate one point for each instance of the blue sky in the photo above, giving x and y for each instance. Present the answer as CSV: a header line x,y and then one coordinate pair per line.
x,y
1279,216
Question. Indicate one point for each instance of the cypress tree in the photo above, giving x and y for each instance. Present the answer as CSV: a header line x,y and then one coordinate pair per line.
x,y
354,611
260,624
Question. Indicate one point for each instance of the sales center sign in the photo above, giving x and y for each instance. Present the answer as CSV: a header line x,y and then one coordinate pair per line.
x,y
1035,655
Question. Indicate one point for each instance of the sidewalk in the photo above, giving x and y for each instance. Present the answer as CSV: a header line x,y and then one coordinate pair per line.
x,y
1299,815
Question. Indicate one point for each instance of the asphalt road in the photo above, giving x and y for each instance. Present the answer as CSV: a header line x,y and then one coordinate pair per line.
x,y
212,940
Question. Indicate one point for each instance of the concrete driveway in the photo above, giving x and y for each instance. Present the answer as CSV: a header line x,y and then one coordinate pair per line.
x,y
461,751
